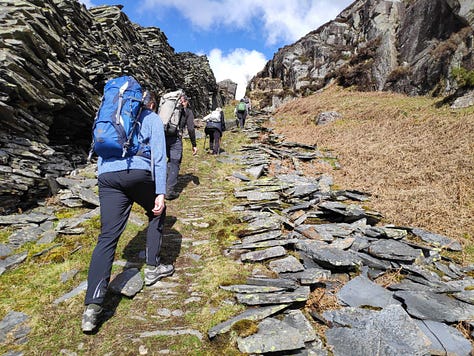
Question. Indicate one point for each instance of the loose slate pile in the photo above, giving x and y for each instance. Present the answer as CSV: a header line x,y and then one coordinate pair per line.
x,y
312,238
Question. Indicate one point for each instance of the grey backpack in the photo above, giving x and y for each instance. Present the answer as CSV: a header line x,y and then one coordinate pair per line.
x,y
169,111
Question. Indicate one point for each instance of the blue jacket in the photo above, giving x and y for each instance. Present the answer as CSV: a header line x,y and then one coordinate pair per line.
x,y
152,135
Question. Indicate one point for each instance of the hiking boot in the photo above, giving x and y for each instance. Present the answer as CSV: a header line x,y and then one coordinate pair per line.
x,y
91,317
154,273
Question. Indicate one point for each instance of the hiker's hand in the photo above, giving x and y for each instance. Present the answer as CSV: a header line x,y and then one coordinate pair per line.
x,y
159,204
195,151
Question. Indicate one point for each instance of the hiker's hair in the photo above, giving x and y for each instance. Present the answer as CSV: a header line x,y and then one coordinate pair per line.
x,y
149,98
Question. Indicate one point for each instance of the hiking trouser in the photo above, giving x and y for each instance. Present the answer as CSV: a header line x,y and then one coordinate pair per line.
x,y
117,193
241,116
174,152
214,140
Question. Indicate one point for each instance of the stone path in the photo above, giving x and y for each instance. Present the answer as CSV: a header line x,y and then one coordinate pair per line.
x,y
326,277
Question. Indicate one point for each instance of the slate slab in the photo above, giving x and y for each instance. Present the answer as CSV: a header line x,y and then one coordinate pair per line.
x,y
445,339
300,294
274,282
258,196
389,332
261,225
80,288
466,296
433,306
19,219
299,191
314,275
393,250
256,171
267,235
246,288
5,250
12,261
128,282
273,336
296,319
11,325
266,243
286,264
373,262
262,255
350,213
257,313
437,240
361,291
241,176
329,257
421,271
310,232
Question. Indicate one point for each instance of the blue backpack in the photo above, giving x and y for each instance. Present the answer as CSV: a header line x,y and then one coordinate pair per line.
x,y
116,125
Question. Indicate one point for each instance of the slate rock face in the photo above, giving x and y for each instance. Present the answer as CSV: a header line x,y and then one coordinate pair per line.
x,y
55,58
402,46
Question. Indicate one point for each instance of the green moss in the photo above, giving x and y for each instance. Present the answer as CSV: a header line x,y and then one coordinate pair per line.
x,y
463,77
245,327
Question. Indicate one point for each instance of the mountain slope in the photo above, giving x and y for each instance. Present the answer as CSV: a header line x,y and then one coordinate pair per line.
x,y
383,45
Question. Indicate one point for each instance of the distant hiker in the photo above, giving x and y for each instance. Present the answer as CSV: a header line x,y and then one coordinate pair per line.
x,y
174,146
215,126
136,178
241,112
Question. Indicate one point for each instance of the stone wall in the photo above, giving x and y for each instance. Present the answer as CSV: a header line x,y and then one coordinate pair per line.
x,y
55,58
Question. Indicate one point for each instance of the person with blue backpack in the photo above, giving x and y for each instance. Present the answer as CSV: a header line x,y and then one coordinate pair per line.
x,y
131,148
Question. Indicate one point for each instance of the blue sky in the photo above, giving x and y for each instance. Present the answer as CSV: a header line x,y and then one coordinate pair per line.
x,y
238,37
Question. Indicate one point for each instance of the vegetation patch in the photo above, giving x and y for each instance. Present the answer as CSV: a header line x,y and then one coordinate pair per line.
x,y
412,155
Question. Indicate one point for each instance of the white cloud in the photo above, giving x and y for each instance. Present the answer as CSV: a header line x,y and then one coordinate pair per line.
x,y
239,66
88,3
282,20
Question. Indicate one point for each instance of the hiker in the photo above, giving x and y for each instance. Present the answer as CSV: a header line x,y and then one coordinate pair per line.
x,y
174,147
248,103
241,112
123,181
215,128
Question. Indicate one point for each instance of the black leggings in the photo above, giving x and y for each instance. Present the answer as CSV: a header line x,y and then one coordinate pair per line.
x,y
214,140
117,193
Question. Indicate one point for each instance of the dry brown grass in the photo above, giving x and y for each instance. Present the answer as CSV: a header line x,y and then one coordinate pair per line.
x,y
416,159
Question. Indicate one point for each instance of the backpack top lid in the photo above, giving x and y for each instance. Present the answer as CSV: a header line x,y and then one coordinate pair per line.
x,y
115,132
124,96
169,103
214,116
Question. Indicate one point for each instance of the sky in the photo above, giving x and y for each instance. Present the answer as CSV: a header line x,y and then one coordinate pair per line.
x,y
238,37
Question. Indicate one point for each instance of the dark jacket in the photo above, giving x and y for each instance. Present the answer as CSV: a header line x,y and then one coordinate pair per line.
x,y
187,120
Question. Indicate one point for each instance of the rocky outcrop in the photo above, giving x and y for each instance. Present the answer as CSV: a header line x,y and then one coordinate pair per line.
x,y
228,89
55,58
403,46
